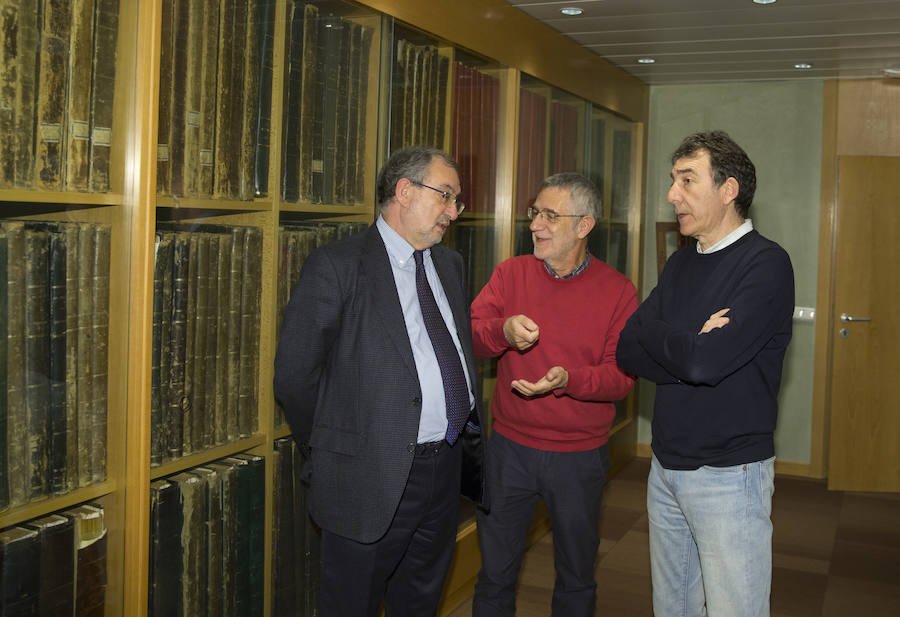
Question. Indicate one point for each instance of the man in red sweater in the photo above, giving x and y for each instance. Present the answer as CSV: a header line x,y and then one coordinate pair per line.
x,y
553,319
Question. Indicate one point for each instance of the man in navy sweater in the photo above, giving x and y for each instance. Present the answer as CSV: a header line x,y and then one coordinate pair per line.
x,y
712,335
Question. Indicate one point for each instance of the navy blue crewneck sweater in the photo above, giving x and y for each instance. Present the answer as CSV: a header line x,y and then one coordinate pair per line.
x,y
716,396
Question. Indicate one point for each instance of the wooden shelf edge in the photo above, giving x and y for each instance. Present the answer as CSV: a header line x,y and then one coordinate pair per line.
x,y
198,459
36,509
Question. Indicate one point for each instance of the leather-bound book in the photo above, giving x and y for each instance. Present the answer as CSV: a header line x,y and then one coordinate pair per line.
x,y
251,515
165,549
165,352
179,111
212,596
17,435
4,411
233,335
56,537
177,396
249,116
266,35
251,275
166,90
200,283
85,356
37,360
20,572
362,106
9,52
27,36
228,478
290,166
190,325
102,89
78,137
284,598
193,542
208,430
336,148
53,79
56,410
311,101
71,232
225,119
209,44
193,82
100,351
90,565
162,261
223,287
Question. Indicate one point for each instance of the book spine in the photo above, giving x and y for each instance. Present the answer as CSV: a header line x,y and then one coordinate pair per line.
x,y
190,321
266,35
90,577
53,77
231,533
17,436
156,427
193,79
70,231
37,356
233,352
84,352
290,171
207,79
9,31
284,522
177,396
310,106
166,87
336,153
361,128
78,137
249,331
179,110
20,572
251,480
27,39
56,537
214,529
250,100
4,411
210,343
223,290
103,85
235,153
100,351
56,411
165,341
193,542
201,302
165,550
222,181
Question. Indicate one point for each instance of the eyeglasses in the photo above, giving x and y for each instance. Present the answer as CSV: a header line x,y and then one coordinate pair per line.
x,y
549,215
447,198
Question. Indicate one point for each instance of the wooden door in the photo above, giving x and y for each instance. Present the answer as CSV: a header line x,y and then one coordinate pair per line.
x,y
864,454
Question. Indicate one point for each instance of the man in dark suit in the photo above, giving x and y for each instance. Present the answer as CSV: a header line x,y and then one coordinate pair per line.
x,y
376,374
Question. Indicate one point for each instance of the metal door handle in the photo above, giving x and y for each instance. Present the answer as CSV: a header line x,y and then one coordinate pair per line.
x,y
845,317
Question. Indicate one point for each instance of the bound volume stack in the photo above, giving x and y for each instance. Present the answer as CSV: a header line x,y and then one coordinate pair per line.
x,y
205,358
476,98
55,565
206,540
54,325
419,96
296,538
215,98
57,78
295,242
325,115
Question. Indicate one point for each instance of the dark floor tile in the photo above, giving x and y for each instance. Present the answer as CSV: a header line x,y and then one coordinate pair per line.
x,y
847,597
796,593
870,519
855,560
615,522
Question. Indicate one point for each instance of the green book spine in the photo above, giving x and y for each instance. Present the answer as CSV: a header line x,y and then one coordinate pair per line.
x,y
166,87
103,85
284,599
164,589
229,482
193,542
17,435
53,76
20,572
4,411
214,581
251,516
100,351
37,360
57,416
85,346
81,46
56,537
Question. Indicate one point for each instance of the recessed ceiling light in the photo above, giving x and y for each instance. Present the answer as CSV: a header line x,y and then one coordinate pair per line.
x,y
646,60
571,11
802,65
764,1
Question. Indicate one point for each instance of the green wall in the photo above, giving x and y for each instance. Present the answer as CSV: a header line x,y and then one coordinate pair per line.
x,y
779,124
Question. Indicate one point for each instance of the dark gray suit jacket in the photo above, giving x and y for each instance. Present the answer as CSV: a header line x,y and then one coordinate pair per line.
x,y
345,376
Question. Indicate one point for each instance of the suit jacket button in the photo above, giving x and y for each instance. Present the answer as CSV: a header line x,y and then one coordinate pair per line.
x,y
411,447
417,401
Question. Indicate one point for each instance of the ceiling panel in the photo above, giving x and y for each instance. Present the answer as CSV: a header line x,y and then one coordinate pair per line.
x,y
731,40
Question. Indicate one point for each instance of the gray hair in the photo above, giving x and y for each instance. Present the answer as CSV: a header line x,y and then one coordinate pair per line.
x,y
410,163
585,198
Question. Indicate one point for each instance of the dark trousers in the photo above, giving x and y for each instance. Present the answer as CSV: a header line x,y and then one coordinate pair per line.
x,y
571,485
407,566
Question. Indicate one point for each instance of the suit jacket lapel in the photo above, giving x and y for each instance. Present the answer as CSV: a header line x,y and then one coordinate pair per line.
x,y
376,266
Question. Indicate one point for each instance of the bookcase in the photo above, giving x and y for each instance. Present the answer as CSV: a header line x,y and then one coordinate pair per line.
x,y
197,142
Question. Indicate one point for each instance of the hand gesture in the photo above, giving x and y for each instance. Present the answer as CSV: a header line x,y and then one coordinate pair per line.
x,y
556,377
521,332
716,320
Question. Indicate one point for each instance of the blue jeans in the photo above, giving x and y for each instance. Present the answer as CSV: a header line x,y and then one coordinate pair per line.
x,y
711,540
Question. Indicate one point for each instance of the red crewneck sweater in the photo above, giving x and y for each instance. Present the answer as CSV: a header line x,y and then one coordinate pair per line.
x,y
579,320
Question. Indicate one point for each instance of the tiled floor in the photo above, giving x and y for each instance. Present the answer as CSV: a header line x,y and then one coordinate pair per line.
x,y
835,554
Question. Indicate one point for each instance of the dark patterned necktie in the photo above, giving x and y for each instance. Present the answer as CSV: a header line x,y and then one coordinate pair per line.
x,y
456,391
